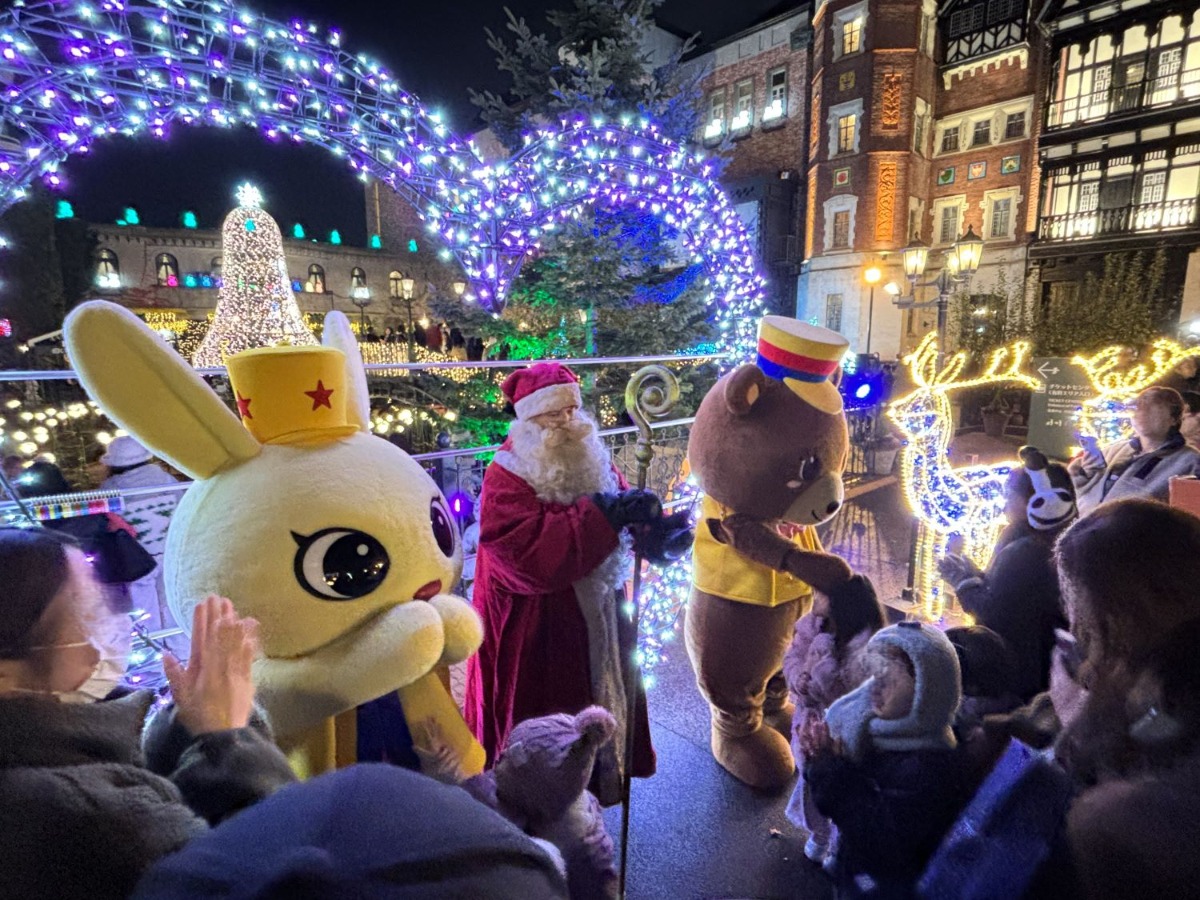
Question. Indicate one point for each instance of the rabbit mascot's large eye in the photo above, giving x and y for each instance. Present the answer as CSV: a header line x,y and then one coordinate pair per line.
x,y
323,532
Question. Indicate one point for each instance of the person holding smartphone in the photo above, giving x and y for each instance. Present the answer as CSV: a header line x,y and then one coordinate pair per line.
x,y
1142,465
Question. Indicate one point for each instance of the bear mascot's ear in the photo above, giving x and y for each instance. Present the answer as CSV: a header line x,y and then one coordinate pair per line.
x,y
744,388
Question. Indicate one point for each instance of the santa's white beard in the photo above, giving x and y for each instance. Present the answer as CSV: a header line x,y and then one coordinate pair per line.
x,y
565,463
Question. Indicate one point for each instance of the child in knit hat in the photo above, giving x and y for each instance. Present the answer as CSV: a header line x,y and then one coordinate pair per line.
x,y
883,767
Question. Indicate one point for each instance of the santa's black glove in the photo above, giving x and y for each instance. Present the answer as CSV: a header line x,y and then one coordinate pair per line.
x,y
665,539
628,507
858,589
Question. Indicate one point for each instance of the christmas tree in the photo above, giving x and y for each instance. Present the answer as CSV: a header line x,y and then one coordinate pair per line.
x,y
613,282
255,305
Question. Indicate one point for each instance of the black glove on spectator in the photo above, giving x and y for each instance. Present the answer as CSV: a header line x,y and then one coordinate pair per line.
x,y
628,507
664,540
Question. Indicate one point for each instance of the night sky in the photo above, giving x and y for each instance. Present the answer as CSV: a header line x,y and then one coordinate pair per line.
x,y
436,48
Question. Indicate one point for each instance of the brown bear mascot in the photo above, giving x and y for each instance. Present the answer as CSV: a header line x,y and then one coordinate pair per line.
x,y
768,448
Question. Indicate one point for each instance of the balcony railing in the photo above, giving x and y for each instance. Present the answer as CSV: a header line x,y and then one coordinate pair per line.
x,y
1144,218
1146,93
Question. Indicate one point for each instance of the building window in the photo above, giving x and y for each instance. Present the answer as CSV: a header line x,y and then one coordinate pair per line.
x,y
851,36
914,223
845,127
848,29
394,286
716,115
743,106
108,270
776,95
981,134
833,312
316,280
358,284
1154,187
166,268
1003,10
925,38
1014,126
1001,218
216,265
966,20
950,140
841,230
948,218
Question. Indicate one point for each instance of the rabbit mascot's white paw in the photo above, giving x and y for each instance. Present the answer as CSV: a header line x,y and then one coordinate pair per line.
x,y
337,541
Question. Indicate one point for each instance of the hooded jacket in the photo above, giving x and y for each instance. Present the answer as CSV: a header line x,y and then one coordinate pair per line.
x,y
88,804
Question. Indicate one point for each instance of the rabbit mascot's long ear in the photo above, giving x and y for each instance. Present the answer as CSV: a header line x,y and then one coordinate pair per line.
x,y
340,336
150,391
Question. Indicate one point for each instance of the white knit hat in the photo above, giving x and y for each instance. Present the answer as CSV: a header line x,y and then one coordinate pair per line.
x,y
125,451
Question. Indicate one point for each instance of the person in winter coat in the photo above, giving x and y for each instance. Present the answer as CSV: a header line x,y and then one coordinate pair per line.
x,y
95,786
1189,426
883,767
1143,465
826,659
1018,595
1131,736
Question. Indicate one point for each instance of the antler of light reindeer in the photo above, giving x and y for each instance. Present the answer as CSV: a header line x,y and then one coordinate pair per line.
x,y
1003,365
1111,384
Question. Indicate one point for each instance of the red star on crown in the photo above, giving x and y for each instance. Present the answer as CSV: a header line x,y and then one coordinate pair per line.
x,y
320,396
243,404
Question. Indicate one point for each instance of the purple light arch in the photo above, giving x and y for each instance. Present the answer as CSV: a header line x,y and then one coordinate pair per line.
x,y
73,74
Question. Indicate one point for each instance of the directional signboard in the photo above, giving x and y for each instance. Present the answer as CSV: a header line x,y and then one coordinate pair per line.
x,y
1052,423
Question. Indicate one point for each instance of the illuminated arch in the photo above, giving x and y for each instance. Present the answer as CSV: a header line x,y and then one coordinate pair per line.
x,y
75,74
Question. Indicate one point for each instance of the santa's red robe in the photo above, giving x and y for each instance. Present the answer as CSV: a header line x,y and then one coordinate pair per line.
x,y
534,659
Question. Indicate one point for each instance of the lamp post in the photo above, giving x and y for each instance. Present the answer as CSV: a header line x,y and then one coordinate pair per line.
x,y
871,276
406,294
362,299
459,288
959,263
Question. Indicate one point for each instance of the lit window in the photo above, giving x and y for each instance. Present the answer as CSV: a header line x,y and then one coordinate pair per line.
x,y
108,271
846,126
716,114
358,284
216,265
1014,126
950,140
743,106
1001,218
1154,187
776,95
316,280
394,285
167,269
841,230
981,136
852,36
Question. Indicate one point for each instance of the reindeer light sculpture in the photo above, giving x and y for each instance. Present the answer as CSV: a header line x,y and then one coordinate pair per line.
x,y
967,500
1106,416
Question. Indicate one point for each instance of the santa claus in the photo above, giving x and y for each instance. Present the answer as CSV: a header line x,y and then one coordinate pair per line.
x,y
550,575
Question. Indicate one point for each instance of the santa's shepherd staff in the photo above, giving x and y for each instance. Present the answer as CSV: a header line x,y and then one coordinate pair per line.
x,y
652,392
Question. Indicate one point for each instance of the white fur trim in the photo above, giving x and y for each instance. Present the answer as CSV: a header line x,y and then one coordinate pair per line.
x,y
551,397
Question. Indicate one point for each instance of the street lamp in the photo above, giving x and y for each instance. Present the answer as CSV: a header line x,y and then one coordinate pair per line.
x,y
871,276
406,294
459,288
362,300
959,263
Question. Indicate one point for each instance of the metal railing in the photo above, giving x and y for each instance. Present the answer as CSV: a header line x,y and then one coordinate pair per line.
x,y
1134,96
1141,218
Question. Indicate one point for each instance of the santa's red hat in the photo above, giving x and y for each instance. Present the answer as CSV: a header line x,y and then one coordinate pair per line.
x,y
541,388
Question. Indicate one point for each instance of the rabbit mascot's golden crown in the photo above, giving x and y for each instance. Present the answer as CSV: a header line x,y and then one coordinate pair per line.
x,y
335,540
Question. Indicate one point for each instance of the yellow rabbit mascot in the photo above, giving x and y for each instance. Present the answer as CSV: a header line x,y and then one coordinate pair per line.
x,y
337,541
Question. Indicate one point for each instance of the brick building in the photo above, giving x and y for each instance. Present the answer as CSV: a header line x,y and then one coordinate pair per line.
x,y
755,108
923,125
1120,143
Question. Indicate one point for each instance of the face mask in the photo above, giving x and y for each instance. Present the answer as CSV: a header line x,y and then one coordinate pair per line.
x,y
111,642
